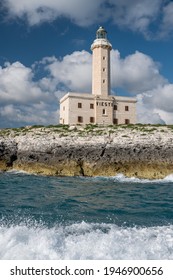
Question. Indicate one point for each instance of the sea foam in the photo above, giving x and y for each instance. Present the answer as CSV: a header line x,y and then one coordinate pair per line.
x,y
122,178
86,241
118,178
15,172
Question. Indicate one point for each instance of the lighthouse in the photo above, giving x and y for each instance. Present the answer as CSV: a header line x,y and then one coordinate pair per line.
x,y
99,107
101,48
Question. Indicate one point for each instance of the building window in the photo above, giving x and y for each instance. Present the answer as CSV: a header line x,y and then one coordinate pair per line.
x,y
91,106
91,119
63,108
126,108
79,105
97,104
104,69
80,119
104,57
115,107
115,121
103,81
127,121
104,111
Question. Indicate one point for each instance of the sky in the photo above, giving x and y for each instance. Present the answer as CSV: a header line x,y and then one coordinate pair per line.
x,y
45,53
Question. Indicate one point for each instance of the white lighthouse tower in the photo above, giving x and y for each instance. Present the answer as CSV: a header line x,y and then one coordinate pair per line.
x,y
101,48
100,107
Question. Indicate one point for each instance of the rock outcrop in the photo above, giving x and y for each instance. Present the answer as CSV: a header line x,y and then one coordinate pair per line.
x,y
140,151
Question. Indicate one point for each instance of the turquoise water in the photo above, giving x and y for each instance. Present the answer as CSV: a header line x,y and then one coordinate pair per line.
x,y
45,217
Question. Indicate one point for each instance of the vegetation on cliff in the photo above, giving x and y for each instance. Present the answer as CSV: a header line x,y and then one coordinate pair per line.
x,y
84,130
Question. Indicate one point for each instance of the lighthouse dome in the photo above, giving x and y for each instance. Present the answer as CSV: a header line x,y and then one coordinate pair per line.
x,y
101,39
101,33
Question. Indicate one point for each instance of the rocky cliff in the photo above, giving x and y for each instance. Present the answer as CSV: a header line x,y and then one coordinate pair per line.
x,y
140,151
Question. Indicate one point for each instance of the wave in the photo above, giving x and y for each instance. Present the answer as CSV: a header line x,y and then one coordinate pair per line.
x,y
85,241
122,178
15,172
118,178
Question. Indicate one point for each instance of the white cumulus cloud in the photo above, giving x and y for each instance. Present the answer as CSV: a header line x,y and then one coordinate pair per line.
x,y
139,75
135,15
81,12
73,71
136,72
166,27
24,100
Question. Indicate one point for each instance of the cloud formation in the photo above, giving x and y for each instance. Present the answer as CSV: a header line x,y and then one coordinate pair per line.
x,y
166,27
136,73
139,75
24,100
81,12
136,15
73,71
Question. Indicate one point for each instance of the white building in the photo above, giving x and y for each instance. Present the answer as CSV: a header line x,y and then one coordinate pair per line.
x,y
99,107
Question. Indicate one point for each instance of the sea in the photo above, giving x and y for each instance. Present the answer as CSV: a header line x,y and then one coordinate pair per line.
x,y
85,218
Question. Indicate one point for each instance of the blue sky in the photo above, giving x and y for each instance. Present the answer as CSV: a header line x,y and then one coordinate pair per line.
x,y
45,52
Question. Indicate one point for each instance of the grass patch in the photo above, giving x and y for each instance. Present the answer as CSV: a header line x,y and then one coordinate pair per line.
x,y
89,129
170,126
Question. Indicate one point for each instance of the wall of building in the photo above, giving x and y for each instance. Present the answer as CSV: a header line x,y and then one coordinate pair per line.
x,y
64,110
125,112
104,110
81,109
87,108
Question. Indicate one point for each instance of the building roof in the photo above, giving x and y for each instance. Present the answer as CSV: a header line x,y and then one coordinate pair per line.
x,y
92,96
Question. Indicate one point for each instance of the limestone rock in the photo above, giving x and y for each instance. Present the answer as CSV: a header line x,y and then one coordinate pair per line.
x,y
77,152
